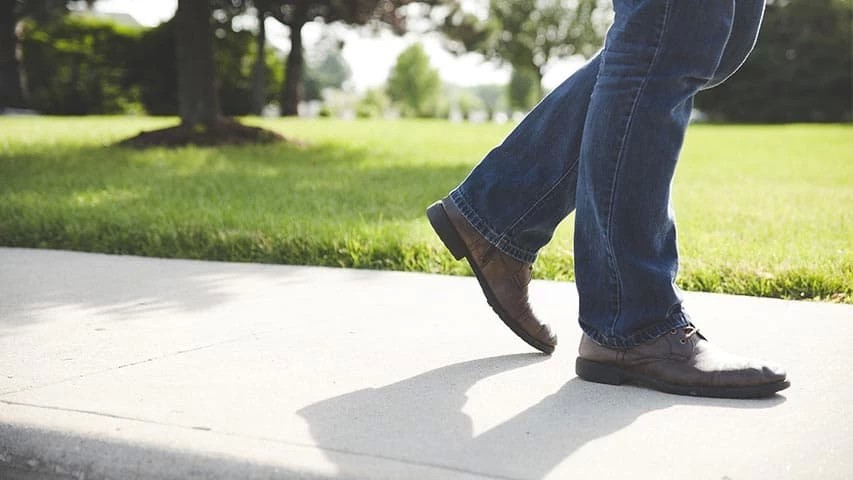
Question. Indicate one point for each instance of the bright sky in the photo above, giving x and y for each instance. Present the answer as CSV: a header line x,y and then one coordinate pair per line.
x,y
370,56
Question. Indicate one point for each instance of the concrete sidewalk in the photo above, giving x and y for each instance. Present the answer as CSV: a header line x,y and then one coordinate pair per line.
x,y
118,367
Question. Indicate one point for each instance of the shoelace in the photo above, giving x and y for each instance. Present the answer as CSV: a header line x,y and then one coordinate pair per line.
x,y
689,331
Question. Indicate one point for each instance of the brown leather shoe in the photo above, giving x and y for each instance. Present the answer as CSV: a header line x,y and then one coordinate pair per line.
x,y
681,362
504,279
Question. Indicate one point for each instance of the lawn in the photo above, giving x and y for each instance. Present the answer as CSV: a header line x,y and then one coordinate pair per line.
x,y
762,210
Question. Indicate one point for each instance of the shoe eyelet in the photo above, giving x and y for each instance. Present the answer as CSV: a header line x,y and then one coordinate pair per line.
x,y
683,341
673,331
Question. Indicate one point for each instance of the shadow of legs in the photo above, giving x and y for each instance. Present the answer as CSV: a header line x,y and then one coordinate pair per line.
x,y
420,420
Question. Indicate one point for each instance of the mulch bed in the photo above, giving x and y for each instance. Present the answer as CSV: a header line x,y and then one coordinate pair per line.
x,y
224,132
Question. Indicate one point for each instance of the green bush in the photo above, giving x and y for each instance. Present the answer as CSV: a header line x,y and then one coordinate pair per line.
x,y
801,69
77,66
156,70
373,104
235,52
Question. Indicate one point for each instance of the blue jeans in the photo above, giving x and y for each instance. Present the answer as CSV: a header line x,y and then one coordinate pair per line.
x,y
605,144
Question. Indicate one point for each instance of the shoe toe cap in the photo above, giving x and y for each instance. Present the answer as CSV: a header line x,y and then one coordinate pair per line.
x,y
547,336
773,373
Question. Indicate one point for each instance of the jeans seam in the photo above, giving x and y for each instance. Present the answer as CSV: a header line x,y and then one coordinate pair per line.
x,y
619,157
715,81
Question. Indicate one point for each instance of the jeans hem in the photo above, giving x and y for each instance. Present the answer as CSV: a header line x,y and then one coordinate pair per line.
x,y
499,241
676,320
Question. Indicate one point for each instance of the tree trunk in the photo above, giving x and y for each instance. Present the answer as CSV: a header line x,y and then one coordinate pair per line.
x,y
540,90
295,65
11,94
197,96
259,80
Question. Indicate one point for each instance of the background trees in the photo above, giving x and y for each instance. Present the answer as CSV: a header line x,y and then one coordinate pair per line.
x,y
202,121
523,90
11,12
198,99
77,66
801,69
296,13
528,34
413,83
327,69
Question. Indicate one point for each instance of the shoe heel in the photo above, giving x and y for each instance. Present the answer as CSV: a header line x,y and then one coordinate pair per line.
x,y
598,372
446,231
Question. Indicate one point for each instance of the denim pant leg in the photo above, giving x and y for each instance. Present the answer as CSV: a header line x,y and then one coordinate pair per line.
x,y
657,56
744,34
526,185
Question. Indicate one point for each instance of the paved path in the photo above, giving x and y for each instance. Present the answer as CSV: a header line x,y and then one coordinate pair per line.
x,y
118,367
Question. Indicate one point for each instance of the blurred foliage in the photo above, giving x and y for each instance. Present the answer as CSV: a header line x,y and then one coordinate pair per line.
x,y
326,68
528,34
296,13
414,84
523,90
493,96
39,9
373,104
801,68
77,66
234,54
468,103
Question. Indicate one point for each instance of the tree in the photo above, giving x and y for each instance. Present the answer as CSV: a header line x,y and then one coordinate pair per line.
x,y
202,121
493,97
197,96
414,83
153,69
527,34
469,103
523,90
328,69
801,69
259,69
374,104
296,13
11,13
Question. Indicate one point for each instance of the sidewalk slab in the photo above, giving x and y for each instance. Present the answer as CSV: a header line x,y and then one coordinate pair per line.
x,y
116,367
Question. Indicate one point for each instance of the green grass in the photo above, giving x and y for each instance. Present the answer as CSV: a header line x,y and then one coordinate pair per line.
x,y
762,210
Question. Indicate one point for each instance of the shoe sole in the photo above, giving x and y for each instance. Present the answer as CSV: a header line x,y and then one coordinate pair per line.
x,y
603,373
445,230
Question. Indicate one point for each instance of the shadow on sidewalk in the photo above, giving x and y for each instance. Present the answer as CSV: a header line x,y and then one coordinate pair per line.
x,y
420,420
35,283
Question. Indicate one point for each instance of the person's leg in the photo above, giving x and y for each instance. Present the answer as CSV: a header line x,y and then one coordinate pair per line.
x,y
510,204
518,194
658,55
744,34
524,187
